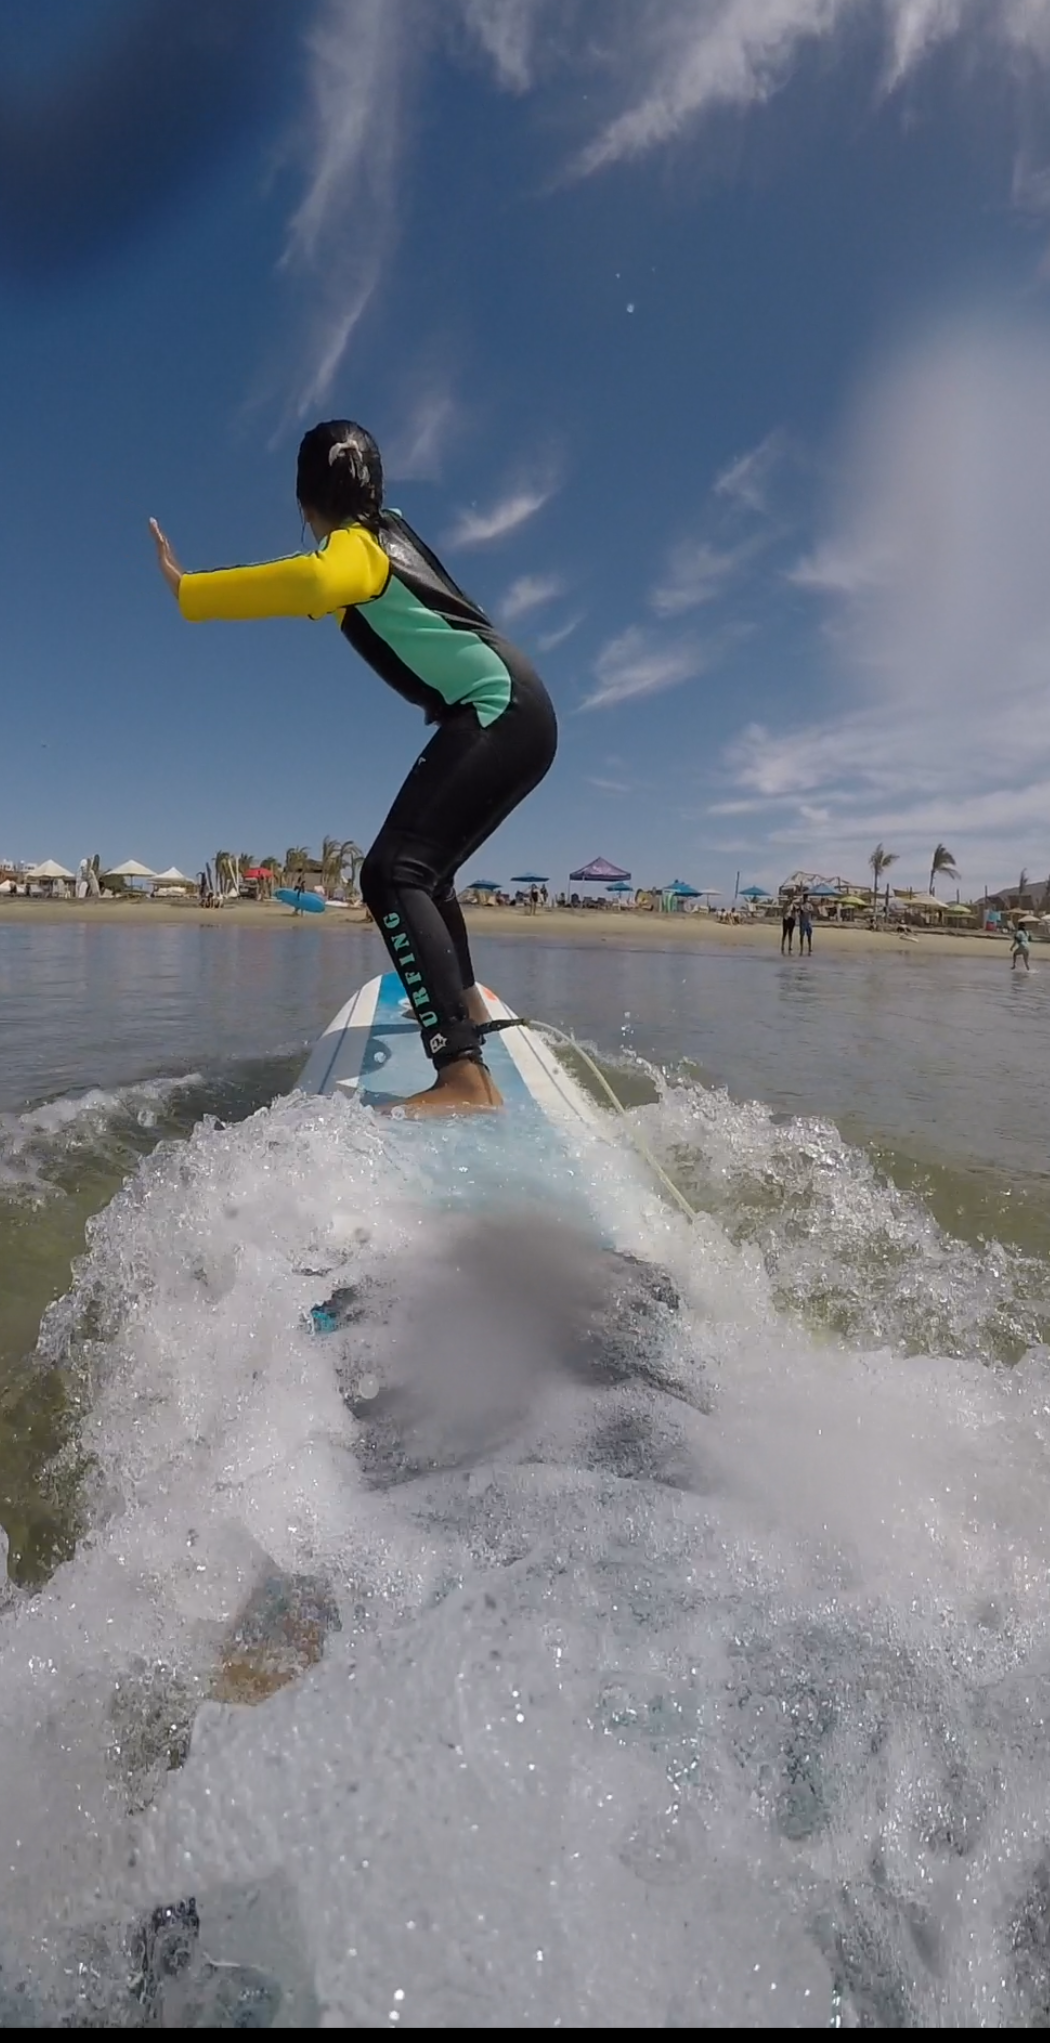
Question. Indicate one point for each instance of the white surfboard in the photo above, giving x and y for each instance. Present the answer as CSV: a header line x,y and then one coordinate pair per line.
x,y
548,1151
373,1048
537,1154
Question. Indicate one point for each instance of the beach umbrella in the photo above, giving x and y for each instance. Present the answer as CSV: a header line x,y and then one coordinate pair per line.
x,y
756,894
484,887
599,869
50,870
529,879
958,908
173,878
130,870
683,891
851,901
823,893
619,887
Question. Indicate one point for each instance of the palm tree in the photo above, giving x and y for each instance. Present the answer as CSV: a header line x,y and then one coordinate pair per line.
x,y
271,866
295,858
226,873
880,861
351,856
1022,886
330,865
336,855
943,862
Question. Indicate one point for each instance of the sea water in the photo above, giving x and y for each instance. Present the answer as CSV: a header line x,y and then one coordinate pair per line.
x,y
703,1686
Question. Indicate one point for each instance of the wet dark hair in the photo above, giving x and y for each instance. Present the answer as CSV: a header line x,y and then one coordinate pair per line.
x,y
339,473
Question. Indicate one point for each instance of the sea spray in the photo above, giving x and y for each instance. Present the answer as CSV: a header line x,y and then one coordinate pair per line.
x,y
845,1248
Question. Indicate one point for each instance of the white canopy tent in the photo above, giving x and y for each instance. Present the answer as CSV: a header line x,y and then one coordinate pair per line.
x,y
52,875
130,870
172,882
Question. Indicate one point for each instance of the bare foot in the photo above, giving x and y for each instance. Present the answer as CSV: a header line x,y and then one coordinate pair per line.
x,y
462,1088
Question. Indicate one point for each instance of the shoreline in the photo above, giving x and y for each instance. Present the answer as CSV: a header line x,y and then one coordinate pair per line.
x,y
587,928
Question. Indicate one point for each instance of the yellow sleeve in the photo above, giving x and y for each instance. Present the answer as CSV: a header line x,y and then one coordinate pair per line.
x,y
349,567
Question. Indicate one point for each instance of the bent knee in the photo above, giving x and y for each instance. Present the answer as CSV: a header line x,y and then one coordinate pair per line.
x,y
390,867
373,879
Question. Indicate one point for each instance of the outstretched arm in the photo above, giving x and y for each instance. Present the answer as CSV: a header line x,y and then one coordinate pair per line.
x,y
350,567
166,560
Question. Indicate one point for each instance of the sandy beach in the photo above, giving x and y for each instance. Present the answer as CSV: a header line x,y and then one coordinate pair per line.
x,y
626,929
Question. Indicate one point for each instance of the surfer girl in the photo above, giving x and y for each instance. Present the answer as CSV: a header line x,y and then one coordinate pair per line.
x,y
496,732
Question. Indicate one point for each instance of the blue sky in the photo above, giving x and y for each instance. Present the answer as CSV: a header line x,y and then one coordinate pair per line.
x,y
708,340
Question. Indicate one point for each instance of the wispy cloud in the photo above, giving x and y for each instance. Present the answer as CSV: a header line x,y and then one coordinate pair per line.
x,y
1030,185
661,65
507,31
637,664
932,577
414,454
549,639
697,573
480,528
748,807
837,570
529,592
746,481
690,59
358,71
612,787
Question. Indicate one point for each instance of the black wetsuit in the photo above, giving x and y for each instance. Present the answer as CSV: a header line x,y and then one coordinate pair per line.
x,y
459,791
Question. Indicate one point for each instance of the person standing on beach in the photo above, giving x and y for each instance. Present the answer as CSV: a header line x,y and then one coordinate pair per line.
x,y
787,928
805,926
496,731
1020,948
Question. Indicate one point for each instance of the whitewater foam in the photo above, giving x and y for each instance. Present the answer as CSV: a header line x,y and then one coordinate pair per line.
x,y
36,1143
841,1244
706,1690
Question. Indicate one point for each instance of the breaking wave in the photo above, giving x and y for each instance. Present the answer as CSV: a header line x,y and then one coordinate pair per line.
x,y
643,1623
